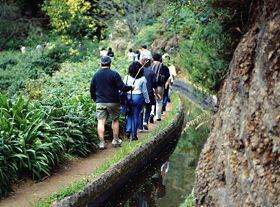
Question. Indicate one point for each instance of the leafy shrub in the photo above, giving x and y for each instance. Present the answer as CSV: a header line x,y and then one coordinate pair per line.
x,y
202,57
147,35
29,142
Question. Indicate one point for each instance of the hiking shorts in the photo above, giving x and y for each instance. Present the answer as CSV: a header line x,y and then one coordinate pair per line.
x,y
105,110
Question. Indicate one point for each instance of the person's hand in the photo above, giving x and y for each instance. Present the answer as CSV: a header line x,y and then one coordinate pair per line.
x,y
158,96
133,87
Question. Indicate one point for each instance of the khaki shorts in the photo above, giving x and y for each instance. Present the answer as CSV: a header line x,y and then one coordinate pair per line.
x,y
105,110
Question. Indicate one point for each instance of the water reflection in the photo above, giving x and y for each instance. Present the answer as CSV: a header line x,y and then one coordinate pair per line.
x,y
153,189
146,186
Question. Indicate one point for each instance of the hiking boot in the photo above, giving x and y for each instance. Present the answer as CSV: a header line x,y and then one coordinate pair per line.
x,y
127,135
152,119
101,145
116,142
134,137
145,125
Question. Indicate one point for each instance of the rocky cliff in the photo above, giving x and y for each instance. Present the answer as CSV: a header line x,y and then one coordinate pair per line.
x,y
240,163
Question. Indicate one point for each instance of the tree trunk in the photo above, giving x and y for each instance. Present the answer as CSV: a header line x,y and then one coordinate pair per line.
x,y
240,163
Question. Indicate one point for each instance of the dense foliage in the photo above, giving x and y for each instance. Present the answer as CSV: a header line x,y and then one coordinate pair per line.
x,y
18,18
204,47
72,18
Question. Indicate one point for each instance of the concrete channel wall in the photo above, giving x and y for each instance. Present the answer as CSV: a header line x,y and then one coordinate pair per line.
x,y
100,188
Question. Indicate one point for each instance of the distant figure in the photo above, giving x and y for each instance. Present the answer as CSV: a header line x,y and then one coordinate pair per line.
x,y
103,52
110,52
137,55
48,45
143,50
22,49
39,47
167,60
130,55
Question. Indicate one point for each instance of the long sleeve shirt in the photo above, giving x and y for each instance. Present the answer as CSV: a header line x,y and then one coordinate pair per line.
x,y
140,86
105,86
151,79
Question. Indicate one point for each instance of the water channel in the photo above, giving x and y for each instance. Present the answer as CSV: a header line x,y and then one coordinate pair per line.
x,y
164,183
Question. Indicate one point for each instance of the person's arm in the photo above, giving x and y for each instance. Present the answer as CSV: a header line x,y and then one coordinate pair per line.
x,y
145,91
120,84
92,89
154,81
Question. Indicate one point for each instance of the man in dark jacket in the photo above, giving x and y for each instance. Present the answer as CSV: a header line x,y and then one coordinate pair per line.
x,y
146,60
104,90
162,76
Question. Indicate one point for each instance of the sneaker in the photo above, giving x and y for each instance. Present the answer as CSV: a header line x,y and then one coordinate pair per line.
x,y
145,125
116,142
127,135
152,119
101,145
158,119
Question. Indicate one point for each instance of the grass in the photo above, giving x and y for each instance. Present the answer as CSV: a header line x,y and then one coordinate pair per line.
x,y
189,202
127,147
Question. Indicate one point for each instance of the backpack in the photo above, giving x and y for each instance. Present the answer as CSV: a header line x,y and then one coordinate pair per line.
x,y
160,78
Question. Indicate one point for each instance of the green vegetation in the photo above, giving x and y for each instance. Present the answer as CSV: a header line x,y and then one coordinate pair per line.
x,y
128,147
201,42
196,130
189,202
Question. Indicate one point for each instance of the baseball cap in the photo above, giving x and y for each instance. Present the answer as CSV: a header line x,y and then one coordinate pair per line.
x,y
105,60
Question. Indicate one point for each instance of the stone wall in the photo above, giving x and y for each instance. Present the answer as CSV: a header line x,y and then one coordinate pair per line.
x,y
240,163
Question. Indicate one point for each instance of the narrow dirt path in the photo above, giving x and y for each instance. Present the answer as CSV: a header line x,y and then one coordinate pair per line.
x,y
29,191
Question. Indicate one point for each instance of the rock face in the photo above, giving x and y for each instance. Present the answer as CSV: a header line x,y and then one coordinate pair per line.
x,y
240,163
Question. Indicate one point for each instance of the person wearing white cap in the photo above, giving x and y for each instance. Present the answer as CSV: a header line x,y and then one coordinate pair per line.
x,y
146,60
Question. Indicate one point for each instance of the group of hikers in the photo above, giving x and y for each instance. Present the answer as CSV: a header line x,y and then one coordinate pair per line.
x,y
145,89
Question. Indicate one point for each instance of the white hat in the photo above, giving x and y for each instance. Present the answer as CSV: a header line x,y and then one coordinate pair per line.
x,y
146,54
165,55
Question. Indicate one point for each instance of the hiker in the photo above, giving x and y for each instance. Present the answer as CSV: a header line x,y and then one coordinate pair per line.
x,y
151,86
143,49
110,52
104,88
168,86
22,49
162,75
103,52
138,96
131,55
136,55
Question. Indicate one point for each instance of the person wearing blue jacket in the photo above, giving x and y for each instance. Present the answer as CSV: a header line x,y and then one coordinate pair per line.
x,y
138,96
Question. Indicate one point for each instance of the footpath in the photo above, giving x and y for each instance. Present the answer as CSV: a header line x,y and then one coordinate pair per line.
x,y
29,191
